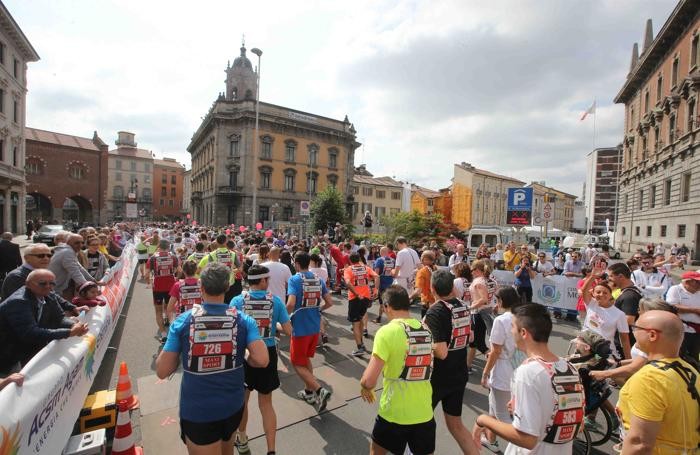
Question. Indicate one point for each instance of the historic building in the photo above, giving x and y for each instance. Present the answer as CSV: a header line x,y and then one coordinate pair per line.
x,y
561,203
129,182
66,177
424,200
15,52
601,191
660,177
294,156
186,192
381,196
479,196
168,180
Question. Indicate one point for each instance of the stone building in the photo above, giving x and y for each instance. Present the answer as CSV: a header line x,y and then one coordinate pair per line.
x,y
562,205
168,179
297,155
601,191
660,177
186,192
381,196
129,182
66,177
424,200
479,196
15,52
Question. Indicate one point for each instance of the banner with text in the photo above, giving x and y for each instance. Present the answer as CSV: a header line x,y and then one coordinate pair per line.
x,y
556,291
38,418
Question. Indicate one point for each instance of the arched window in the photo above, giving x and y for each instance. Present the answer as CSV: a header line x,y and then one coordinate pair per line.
x,y
333,158
290,180
34,166
77,170
266,147
265,177
290,149
313,155
332,180
233,146
311,182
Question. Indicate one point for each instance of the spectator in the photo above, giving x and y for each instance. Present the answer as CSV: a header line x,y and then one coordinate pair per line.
x,y
36,256
17,378
457,258
10,258
30,229
97,263
65,266
524,274
31,318
685,296
572,268
542,265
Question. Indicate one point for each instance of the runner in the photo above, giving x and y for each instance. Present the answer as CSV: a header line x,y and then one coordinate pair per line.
x,y
383,267
482,308
161,269
405,266
223,255
305,293
422,287
685,296
142,256
212,389
450,324
267,310
185,293
357,277
402,353
547,394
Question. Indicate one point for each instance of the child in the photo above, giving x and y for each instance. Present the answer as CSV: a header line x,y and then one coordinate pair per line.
x,y
89,294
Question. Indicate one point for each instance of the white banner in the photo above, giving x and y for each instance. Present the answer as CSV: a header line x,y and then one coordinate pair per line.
x,y
556,291
38,418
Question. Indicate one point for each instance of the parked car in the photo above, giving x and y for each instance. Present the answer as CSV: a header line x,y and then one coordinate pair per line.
x,y
46,233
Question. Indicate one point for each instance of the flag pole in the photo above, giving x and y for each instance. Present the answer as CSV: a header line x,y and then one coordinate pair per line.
x,y
595,114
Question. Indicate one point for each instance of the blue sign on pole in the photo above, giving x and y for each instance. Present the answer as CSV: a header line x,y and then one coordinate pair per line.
x,y
519,206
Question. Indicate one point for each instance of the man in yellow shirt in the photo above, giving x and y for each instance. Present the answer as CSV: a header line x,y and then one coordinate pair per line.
x,y
659,405
511,257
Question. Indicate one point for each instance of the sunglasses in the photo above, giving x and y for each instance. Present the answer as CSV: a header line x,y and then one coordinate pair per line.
x,y
43,284
636,327
41,255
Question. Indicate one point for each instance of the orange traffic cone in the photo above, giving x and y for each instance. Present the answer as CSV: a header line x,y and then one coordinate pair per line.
x,y
124,395
123,443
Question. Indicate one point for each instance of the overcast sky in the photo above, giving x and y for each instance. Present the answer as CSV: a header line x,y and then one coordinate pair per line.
x,y
499,84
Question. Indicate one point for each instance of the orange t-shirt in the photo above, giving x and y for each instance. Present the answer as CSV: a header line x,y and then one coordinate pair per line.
x,y
423,283
359,275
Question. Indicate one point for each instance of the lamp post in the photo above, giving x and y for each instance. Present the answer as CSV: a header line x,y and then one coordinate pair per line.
x,y
254,209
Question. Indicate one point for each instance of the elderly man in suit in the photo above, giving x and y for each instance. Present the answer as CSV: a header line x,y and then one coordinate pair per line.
x,y
64,264
9,255
36,256
31,318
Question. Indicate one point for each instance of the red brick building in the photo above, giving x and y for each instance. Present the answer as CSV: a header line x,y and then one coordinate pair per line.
x,y
168,176
66,177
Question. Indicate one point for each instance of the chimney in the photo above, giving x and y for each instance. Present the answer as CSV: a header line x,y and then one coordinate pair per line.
x,y
126,139
635,57
648,36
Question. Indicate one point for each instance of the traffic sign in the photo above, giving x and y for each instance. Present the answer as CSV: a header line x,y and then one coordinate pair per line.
x,y
519,206
304,208
548,212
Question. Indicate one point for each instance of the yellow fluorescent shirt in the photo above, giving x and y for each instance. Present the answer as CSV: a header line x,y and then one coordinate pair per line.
x,y
662,396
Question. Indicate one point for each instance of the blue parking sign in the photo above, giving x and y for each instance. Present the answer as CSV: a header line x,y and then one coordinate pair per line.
x,y
520,199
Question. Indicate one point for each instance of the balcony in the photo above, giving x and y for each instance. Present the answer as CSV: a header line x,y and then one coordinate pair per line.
x,y
227,190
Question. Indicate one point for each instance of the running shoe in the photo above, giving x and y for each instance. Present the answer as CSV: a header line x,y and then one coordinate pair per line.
x,y
365,333
322,399
359,352
492,446
241,444
163,337
309,397
591,424
377,320
324,339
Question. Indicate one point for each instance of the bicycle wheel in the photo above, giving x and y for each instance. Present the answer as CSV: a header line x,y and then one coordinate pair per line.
x,y
600,430
582,443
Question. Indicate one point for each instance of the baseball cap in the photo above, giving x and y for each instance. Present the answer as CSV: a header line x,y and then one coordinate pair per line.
x,y
691,275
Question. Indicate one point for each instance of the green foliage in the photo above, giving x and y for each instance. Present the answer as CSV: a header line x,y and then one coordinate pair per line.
x,y
327,208
412,225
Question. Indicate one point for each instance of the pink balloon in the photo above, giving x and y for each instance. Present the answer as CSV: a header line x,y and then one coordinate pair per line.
x,y
241,228
228,231
268,233
258,226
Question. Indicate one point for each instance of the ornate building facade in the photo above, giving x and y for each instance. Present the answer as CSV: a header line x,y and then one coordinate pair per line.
x,y
381,196
168,177
130,181
298,154
660,176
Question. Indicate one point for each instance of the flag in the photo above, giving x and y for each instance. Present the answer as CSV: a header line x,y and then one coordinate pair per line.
x,y
590,110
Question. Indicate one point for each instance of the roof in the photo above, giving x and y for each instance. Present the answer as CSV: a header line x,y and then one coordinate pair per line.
x,y
132,152
468,167
553,189
66,140
383,181
12,29
425,192
168,162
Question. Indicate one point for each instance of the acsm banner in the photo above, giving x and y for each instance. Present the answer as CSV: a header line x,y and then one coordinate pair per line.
x,y
555,291
38,418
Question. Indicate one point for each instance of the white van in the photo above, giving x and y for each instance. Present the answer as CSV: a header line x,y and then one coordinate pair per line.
x,y
490,235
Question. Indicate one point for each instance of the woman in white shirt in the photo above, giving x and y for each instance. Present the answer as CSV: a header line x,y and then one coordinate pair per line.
x,y
462,282
501,363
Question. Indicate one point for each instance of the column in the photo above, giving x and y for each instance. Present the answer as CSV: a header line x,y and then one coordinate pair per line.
x,y
22,211
6,210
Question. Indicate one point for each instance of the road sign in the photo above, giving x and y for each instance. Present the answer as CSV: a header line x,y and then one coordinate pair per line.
x,y
304,208
519,206
548,212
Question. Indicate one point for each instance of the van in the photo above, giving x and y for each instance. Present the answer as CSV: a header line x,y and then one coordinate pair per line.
x,y
490,235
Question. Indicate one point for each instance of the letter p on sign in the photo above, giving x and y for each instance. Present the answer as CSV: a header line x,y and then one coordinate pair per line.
x,y
518,197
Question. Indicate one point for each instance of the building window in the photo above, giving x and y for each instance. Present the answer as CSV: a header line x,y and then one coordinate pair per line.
x,y
266,147
76,172
646,100
173,180
290,149
147,179
118,164
162,202
355,190
147,167
15,156
694,51
657,138
233,147
313,155
33,166
2,53
118,176
2,100
667,192
287,213
264,213
147,194
366,207
132,164
311,182
170,203
636,231
431,203
631,118
163,191
393,211
333,158
685,187
624,230
691,115
332,180
367,191
233,179
641,199
395,195
381,194
659,87
289,182
652,196
265,177
164,179
15,111
681,230
663,230
626,202
118,192
674,72
644,148
15,68
379,213
671,129
648,231
173,192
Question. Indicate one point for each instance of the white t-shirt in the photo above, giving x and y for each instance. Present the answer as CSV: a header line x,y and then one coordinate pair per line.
x,y
636,352
461,288
320,272
279,275
545,267
408,260
651,283
606,322
677,295
502,372
531,391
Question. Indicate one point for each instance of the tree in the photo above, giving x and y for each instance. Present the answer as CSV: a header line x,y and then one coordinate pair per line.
x,y
327,208
412,225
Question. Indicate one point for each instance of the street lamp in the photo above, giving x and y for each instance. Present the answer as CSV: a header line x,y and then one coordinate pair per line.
x,y
254,210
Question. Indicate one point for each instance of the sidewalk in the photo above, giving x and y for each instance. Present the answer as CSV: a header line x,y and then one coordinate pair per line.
x,y
21,240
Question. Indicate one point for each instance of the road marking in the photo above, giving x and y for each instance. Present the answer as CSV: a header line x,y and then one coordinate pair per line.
x,y
168,421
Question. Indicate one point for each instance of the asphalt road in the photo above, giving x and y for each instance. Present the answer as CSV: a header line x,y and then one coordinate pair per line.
x,y
345,429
